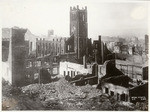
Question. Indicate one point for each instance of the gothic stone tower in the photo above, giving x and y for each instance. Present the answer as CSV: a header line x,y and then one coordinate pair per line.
x,y
78,29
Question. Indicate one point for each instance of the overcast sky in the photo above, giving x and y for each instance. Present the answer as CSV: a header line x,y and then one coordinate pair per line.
x,y
107,19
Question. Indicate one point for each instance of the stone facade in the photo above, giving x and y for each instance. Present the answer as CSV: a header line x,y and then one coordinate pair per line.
x,y
43,47
78,28
59,45
54,46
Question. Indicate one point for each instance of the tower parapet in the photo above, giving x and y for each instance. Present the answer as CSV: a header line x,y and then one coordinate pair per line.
x,y
77,8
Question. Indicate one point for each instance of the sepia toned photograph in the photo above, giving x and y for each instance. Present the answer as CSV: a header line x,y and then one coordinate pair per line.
x,y
74,55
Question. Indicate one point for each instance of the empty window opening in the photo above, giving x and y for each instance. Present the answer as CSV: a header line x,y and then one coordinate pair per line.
x,y
71,74
111,93
83,18
123,97
106,90
64,73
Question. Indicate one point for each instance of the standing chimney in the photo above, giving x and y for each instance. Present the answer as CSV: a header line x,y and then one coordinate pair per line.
x,y
100,50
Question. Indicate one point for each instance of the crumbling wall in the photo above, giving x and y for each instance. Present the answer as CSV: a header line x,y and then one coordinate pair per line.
x,y
5,50
71,69
6,73
111,71
17,56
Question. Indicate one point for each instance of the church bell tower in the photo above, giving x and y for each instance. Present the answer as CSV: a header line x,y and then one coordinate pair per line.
x,y
79,29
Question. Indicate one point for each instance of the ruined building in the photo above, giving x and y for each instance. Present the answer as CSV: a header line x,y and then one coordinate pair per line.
x,y
79,44
98,50
78,31
27,44
15,51
30,42
121,86
55,46
50,45
43,47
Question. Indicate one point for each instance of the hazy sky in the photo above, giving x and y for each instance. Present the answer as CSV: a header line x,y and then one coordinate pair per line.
x,y
109,18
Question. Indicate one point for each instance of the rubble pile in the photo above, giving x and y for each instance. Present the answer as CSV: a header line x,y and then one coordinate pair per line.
x,y
105,102
62,95
90,91
43,91
60,90
65,89
6,88
9,101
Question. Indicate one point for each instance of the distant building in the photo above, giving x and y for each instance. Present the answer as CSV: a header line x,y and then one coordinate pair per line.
x,y
59,45
50,33
138,50
43,47
117,49
124,49
110,45
134,71
131,50
52,46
